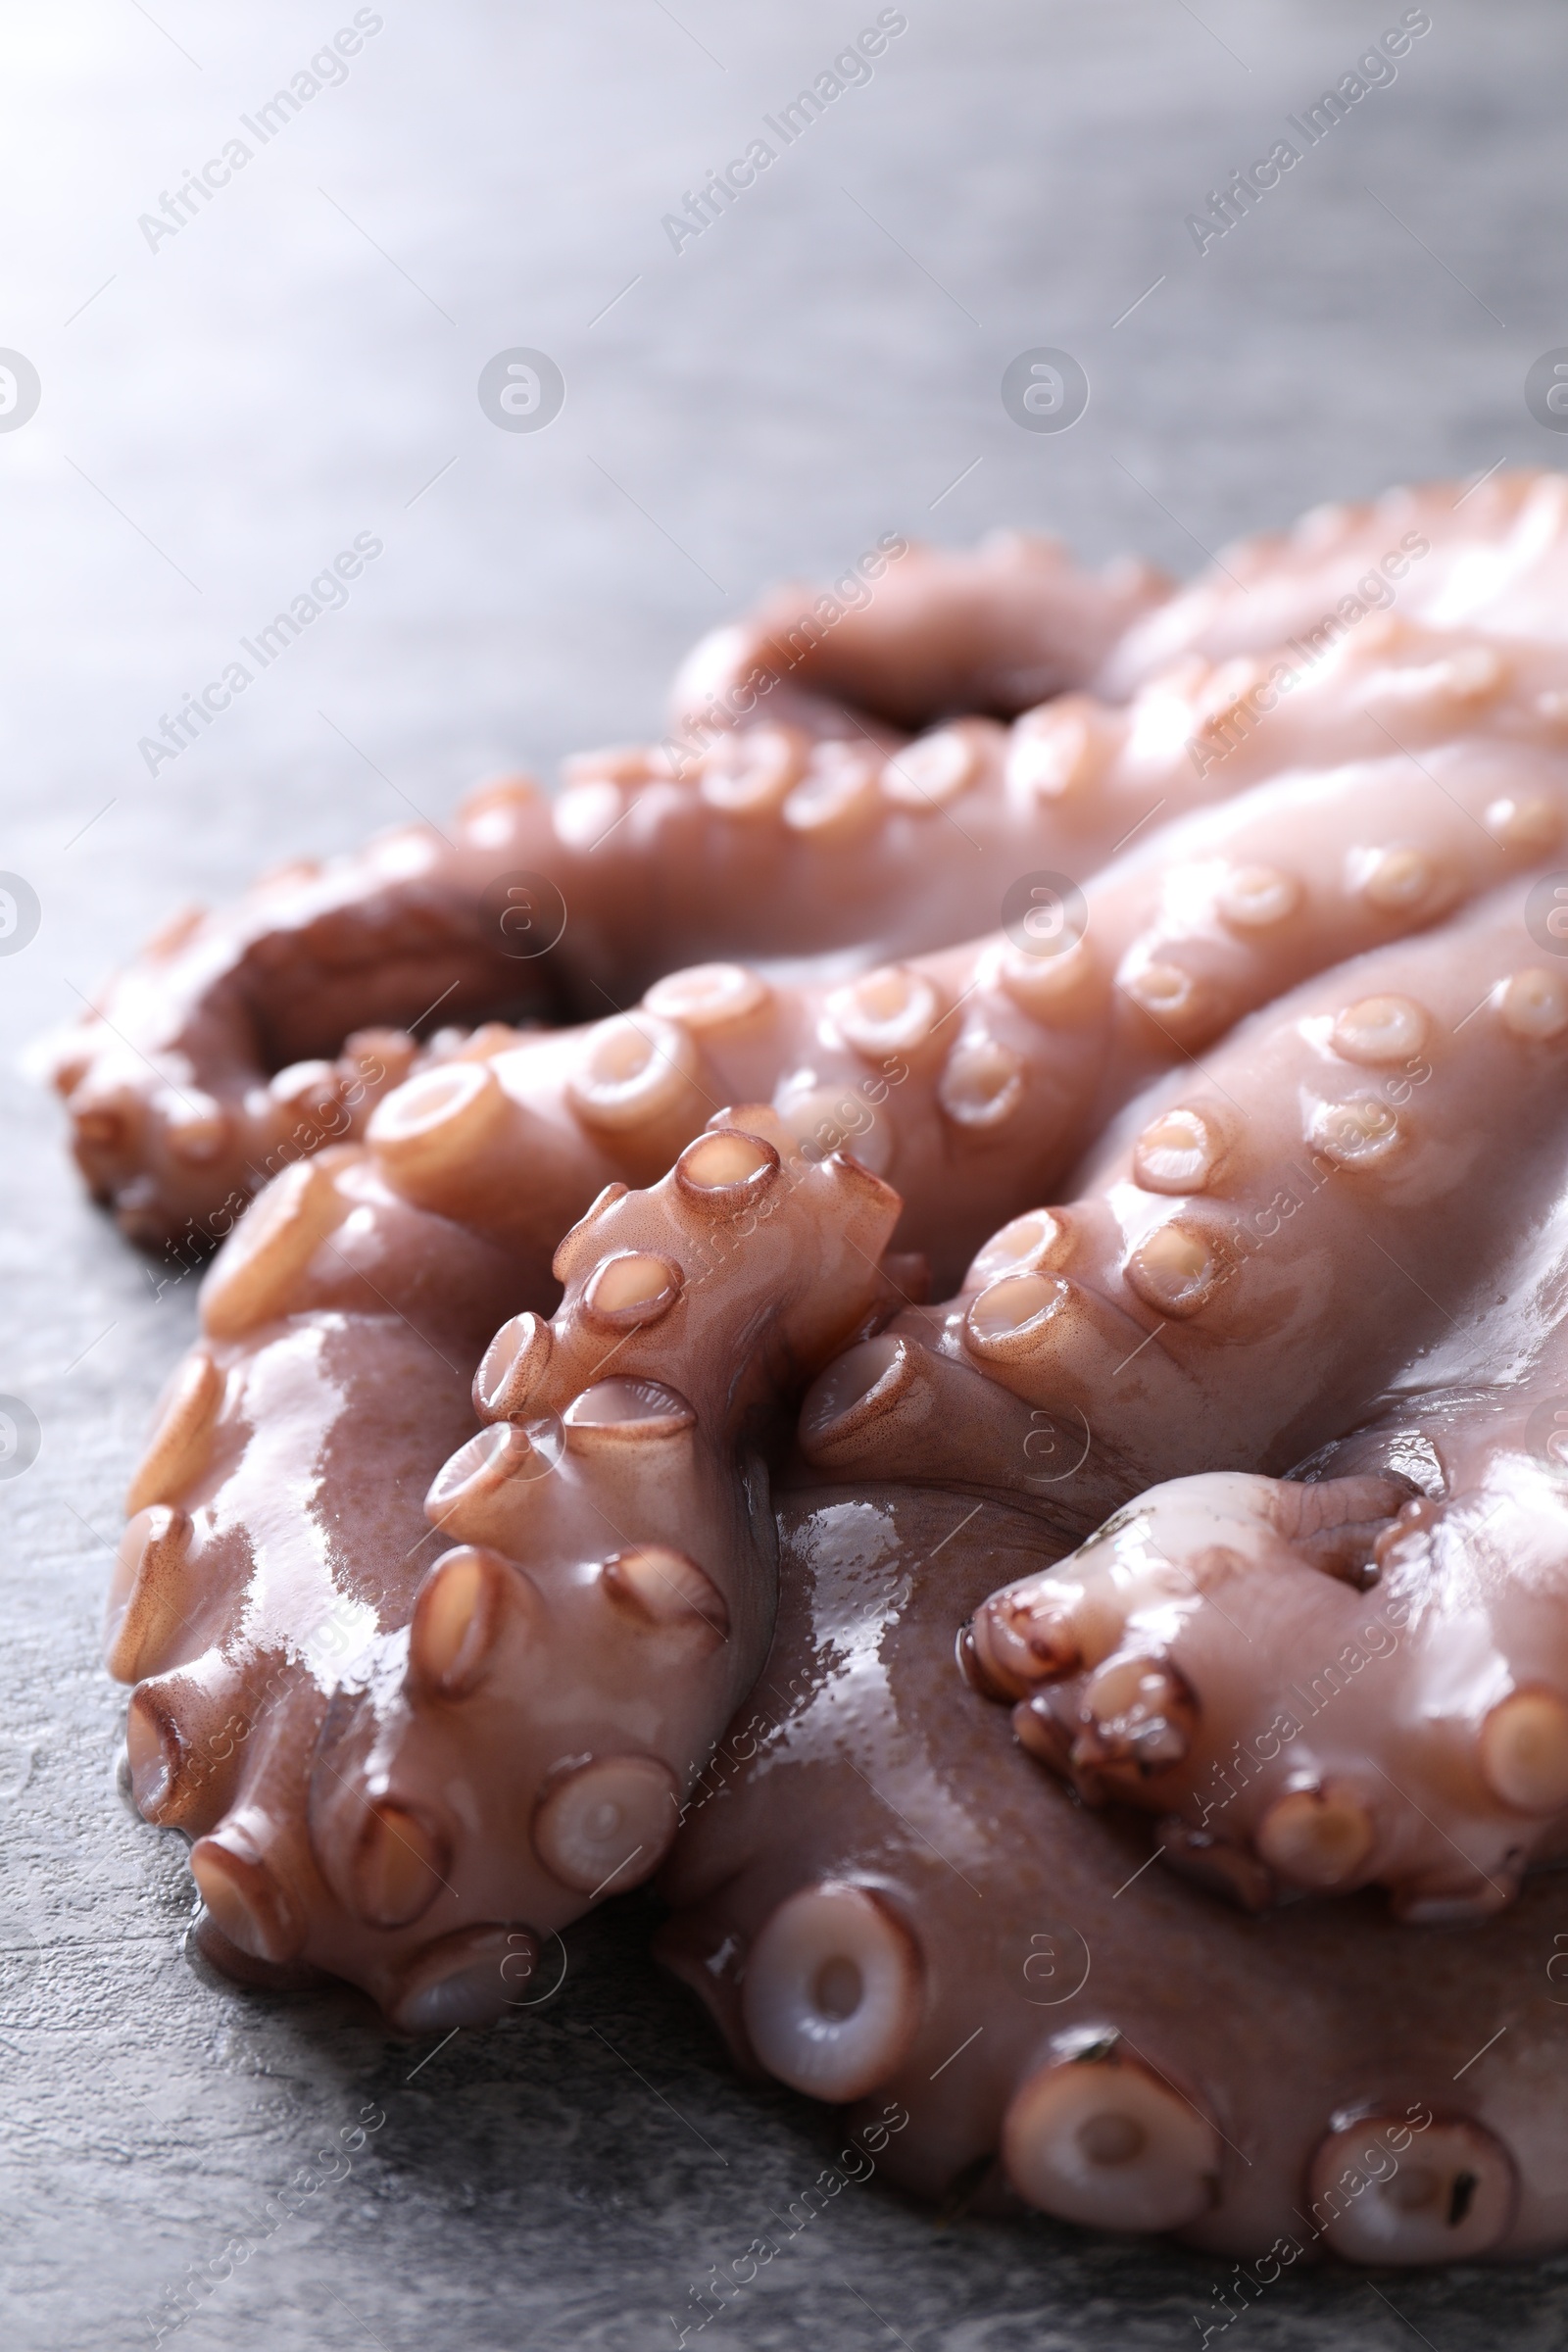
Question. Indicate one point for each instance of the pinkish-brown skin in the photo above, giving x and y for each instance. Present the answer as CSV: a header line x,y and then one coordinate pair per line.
x,y
1362,1678
951,1073
382,1788
933,635
394,1849
242,1040
882,1903
412,1217
1487,563
381,1762
417,1751
458,1187
276,1518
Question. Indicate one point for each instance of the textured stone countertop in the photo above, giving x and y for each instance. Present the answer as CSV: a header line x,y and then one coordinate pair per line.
x,y
222,410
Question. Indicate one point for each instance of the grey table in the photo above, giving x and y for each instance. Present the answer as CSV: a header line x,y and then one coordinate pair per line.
x,y
223,408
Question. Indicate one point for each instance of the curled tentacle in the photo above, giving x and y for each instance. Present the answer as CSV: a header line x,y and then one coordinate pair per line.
x,y
1487,562
1311,1202
880,1903
1326,1684
936,636
975,1077
242,1040
511,1727
1270,1208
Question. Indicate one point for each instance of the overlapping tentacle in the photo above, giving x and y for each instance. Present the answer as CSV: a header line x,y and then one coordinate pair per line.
x,y
229,1047
1486,562
1323,1684
975,1078
241,1041
918,634
1358,1678
1244,1463
882,1905
503,1733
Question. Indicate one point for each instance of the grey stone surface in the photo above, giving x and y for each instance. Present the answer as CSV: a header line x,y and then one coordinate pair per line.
x,y
220,413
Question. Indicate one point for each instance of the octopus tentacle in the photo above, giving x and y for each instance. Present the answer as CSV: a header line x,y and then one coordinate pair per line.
x,y
880,1904
973,1077
1237,1469
510,1734
210,1063
938,635
327,1243
230,1048
1268,1664
1265,1209
1486,562
1194,1657
278,1508
242,1040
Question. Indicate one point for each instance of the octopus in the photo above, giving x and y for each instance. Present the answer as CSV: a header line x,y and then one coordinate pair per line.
x,y
931,1315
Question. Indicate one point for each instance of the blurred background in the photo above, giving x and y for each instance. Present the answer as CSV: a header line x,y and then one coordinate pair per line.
x,y
218,392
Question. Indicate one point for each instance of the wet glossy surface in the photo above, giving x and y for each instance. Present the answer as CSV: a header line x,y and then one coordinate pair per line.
x,y
269,386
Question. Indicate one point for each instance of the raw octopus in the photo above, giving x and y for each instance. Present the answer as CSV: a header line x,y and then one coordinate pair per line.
x,y
1175,984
